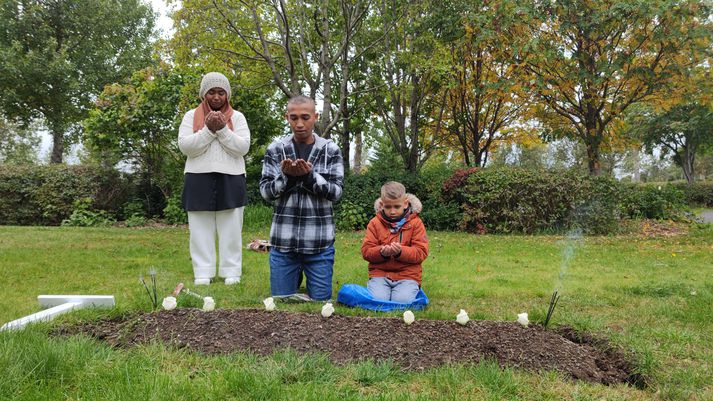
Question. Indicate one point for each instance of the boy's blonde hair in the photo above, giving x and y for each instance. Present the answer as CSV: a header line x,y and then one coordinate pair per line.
x,y
393,190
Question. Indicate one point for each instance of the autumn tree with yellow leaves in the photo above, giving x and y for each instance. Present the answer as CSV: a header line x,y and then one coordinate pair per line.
x,y
486,98
592,60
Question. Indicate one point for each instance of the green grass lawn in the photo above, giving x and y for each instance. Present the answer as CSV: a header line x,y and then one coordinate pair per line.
x,y
651,296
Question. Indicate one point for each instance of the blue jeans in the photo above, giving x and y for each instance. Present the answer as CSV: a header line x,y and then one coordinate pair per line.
x,y
287,267
402,291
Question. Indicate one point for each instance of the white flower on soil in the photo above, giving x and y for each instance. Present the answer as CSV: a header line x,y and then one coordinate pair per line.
x,y
208,304
169,303
462,318
269,304
327,309
522,319
409,317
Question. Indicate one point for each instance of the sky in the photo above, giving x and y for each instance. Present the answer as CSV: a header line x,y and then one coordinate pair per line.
x,y
163,21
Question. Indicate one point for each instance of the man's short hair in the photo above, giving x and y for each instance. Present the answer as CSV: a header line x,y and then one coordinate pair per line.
x,y
393,190
302,99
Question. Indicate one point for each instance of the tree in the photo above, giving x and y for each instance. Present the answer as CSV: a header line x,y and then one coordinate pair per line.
x,y
137,123
682,131
591,60
485,94
17,145
406,72
56,56
303,46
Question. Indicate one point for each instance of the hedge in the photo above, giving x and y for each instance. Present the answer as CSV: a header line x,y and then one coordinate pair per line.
x,y
45,195
502,200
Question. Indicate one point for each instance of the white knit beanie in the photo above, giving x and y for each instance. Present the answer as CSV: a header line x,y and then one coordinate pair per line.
x,y
214,80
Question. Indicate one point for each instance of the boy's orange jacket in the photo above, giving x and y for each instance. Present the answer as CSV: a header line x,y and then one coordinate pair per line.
x,y
414,245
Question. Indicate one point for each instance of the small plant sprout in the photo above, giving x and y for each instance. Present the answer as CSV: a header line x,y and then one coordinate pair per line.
x,y
208,304
152,273
327,309
551,308
409,317
169,303
462,317
153,297
269,304
522,319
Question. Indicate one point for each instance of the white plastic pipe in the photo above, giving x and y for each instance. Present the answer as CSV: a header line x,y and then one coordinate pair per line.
x,y
99,301
47,314
59,304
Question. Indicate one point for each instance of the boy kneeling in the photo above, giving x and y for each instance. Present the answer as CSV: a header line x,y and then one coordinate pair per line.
x,y
395,245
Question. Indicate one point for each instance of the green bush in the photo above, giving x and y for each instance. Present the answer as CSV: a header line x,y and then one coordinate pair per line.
x,y
699,193
173,213
596,209
83,216
653,201
46,194
513,200
440,215
352,217
136,220
361,190
358,196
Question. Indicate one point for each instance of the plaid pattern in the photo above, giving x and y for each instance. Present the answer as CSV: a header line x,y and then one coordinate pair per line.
x,y
302,220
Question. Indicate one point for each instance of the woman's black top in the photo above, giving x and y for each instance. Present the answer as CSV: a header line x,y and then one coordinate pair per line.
x,y
213,192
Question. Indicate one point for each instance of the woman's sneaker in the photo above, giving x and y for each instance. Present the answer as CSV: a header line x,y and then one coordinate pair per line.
x,y
201,281
232,280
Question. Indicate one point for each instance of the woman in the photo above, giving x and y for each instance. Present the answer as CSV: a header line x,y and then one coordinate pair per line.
x,y
215,138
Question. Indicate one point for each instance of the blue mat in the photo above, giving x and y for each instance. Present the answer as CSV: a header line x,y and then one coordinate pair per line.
x,y
358,296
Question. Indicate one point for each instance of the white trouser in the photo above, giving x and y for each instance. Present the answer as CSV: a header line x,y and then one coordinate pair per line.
x,y
203,226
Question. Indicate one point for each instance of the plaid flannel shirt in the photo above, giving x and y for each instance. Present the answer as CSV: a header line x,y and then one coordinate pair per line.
x,y
303,219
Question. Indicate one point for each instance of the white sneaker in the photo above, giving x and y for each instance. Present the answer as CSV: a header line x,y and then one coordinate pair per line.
x,y
232,280
201,281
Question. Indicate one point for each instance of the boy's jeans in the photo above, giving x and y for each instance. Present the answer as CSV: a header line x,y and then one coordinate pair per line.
x,y
402,291
286,267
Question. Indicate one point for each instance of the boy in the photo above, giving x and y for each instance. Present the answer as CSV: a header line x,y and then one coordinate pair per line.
x,y
302,175
395,245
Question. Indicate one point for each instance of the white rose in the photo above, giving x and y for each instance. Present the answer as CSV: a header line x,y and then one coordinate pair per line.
x,y
269,304
462,317
522,319
208,304
327,309
409,317
169,303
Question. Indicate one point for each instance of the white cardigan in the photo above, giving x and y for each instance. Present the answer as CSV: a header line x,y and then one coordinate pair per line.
x,y
219,152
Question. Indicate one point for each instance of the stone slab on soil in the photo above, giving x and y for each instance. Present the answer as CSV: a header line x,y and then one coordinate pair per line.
x,y
424,344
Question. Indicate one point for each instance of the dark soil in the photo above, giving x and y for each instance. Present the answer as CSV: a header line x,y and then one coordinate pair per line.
x,y
424,344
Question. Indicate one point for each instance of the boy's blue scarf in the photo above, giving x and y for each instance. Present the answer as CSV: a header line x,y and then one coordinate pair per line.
x,y
396,223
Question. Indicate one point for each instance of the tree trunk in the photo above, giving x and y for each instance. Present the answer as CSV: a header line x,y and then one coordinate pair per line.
x,y
57,146
358,151
687,160
637,165
593,157
344,144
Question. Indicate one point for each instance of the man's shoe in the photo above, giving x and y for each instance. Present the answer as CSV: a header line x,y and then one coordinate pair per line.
x,y
232,280
201,281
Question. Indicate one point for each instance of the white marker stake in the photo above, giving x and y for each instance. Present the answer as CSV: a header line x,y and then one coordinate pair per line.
x,y
59,304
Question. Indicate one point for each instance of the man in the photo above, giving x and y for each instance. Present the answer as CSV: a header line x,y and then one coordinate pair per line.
x,y
302,175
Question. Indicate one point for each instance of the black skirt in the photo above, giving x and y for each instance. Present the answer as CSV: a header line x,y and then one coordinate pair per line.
x,y
209,192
